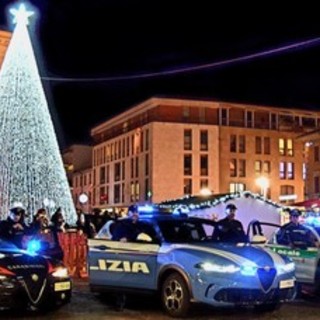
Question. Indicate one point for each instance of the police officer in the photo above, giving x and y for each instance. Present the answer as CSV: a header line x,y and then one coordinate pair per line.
x,y
13,229
128,229
294,234
229,229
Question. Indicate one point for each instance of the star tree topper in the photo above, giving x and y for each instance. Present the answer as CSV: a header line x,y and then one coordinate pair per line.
x,y
21,15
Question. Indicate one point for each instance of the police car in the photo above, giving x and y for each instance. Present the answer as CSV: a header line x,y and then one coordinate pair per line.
x,y
303,250
29,280
180,261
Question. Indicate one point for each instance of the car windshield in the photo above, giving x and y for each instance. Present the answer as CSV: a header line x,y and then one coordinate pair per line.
x,y
7,246
179,231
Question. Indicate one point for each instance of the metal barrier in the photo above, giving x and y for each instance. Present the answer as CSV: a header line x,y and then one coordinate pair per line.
x,y
75,248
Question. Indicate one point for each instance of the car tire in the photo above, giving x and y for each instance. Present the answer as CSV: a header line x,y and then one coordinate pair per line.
x,y
175,296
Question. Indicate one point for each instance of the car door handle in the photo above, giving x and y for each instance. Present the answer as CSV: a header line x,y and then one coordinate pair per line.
x,y
102,247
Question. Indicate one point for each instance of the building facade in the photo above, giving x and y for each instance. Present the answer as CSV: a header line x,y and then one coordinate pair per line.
x,y
311,142
5,37
167,148
77,161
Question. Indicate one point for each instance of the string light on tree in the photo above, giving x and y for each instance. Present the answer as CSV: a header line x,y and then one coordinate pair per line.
x,y
31,168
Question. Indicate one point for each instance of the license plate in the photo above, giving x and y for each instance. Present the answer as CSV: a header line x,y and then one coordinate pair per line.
x,y
286,284
61,286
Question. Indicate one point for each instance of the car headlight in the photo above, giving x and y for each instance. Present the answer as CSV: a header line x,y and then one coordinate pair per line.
x,y
60,272
286,268
214,267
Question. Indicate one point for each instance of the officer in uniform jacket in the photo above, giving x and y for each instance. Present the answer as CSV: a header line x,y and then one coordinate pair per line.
x,y
229,229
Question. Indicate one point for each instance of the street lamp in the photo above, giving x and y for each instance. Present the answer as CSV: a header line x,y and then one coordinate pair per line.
x,y
264,184
205,192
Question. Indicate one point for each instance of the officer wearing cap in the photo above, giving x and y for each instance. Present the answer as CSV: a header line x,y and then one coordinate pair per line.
x,y
128,229
294,234
229,229
13,229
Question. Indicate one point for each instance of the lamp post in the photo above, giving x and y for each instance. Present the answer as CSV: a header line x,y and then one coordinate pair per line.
x,y
264,184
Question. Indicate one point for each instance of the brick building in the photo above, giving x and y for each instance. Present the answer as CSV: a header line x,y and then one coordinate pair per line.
x,y
166,148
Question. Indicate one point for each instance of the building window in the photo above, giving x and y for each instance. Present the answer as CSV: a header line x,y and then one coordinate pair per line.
x,y
236,187
186,112
266,145
116,193
286,190
103,196
281,147
223,117
102,175
123,170
204,183
233,167
290,147
249,119
187,165
187,139
286,170
187,186
147,140
290,170
137,167
258,168
204,140
266,168
147,193
132,167
203,165
233,143
286,147
117,171
242,168
258,145
282,170
242,144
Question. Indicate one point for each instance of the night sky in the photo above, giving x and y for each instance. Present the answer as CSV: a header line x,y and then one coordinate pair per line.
x,y
109,39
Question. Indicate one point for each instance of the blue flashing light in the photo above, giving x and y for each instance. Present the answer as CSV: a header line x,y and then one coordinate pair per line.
x,y
145,209
33,246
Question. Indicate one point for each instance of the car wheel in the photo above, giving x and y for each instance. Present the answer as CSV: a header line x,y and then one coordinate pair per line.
x,y
175,296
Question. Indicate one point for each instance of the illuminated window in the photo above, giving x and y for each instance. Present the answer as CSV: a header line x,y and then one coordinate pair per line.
x,y
258,168
233,167
236,187
282,170
281,147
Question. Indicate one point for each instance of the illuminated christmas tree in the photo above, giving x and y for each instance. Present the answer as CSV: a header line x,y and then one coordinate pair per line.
x,y
31,167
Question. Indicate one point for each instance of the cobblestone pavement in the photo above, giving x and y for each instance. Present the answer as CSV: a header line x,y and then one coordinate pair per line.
x,y
85,305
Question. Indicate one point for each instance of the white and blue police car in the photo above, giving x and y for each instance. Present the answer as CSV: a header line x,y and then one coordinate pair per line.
x,y
179,259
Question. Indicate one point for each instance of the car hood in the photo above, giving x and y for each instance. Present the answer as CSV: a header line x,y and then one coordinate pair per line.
x,y
238,254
